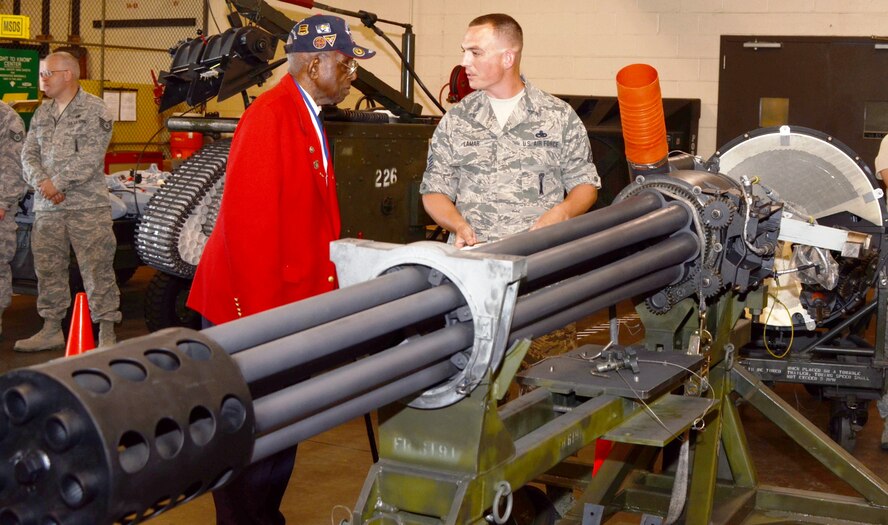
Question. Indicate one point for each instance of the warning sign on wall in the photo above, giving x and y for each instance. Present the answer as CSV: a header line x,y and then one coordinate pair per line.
x,y
18,77
15,26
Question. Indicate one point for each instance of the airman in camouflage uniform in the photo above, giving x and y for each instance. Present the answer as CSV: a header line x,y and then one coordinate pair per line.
x,y
503,180
63,160
12,188
502,160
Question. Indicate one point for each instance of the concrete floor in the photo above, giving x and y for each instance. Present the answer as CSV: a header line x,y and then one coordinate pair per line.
x,y
331,467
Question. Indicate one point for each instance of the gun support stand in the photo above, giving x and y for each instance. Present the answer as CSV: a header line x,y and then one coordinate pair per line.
x,y
723,482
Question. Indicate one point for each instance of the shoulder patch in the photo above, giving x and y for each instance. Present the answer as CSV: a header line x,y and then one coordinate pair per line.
x,y
16,136
106,124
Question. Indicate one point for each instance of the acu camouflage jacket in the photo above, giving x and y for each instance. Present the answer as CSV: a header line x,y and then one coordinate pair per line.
x,y
12,136
502,180
70,150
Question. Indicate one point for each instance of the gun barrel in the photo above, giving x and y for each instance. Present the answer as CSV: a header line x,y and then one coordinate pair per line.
x,y
418,325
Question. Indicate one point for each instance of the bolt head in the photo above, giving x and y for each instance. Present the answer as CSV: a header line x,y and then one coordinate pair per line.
x,y
30,466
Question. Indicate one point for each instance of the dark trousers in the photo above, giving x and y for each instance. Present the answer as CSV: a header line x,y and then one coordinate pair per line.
x,y
254,496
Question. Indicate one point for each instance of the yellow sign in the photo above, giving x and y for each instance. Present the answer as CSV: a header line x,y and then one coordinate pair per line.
x,y
15,26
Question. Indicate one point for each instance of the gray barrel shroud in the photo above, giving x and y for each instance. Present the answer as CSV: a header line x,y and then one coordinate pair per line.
x,y
121,434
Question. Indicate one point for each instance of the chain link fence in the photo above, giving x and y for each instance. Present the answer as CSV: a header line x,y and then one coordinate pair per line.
x,y
120,44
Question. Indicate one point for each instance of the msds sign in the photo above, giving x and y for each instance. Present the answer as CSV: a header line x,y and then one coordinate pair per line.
x,y
15,26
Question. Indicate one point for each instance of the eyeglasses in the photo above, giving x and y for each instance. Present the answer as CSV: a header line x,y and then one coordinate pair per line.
x,y
46,73
350,66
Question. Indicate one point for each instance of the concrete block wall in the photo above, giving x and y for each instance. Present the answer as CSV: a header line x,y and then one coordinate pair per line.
x,y
577,46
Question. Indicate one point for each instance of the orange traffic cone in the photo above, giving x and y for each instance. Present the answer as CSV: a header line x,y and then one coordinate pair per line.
x,y
80,335
602,451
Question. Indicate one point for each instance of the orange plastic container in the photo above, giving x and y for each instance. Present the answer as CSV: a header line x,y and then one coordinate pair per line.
x,y
641,114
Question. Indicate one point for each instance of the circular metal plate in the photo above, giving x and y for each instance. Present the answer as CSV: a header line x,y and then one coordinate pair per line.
x,y
805,169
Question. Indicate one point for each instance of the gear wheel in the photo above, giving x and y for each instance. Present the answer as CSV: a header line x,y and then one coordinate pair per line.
x,y
666,187
708,282
718,213
676,191
659,303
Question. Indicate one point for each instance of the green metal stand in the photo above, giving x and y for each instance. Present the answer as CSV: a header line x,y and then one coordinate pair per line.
x,y
460,464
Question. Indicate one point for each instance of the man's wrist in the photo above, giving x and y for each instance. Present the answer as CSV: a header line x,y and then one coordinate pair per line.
x,y
462,224
561,210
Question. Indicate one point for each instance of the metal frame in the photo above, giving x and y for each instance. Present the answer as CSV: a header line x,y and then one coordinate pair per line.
x,y
454,477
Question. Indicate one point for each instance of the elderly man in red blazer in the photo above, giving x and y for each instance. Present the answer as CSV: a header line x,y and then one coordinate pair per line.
x,y
271,242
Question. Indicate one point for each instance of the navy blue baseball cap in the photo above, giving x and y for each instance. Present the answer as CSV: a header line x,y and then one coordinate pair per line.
x,y
325,33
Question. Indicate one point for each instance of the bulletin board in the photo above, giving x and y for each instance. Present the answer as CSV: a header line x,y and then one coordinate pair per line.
x,y
138,121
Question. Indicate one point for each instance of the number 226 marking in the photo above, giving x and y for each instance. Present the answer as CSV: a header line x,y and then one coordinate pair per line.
x,y
387,177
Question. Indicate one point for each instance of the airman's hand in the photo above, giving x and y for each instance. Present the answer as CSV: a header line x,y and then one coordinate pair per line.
x,y
49,191
465,236
553,216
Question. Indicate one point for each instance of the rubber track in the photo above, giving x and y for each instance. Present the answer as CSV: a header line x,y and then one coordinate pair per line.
x,y
157,237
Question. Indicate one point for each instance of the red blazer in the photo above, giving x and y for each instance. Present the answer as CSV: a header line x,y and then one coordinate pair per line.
x,y
279,213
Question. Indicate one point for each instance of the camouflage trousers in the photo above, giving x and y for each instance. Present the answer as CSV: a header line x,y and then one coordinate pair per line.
x,y
90,233
7,252
882,405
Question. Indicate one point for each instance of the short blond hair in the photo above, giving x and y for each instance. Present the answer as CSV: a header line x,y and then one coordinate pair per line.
x,y
504,26
70,61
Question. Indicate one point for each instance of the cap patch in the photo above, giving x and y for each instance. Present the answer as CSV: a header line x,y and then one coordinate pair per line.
x,y
324,33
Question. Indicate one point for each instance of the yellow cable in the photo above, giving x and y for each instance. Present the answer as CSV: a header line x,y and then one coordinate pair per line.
x,y
791,329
